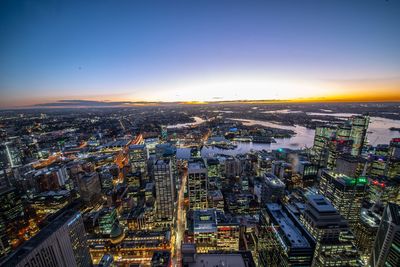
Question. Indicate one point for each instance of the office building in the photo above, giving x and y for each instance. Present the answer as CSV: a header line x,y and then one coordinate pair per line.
x,y
138,157
228,230
165,189
61,243
377,165
337,148
205,230
349,165
384,190
394,148
365,232
284,241
213,168
89,187
345,193
334,240
272,188
107,218
307,172
12,219
320,148
386,249
197,185
359,127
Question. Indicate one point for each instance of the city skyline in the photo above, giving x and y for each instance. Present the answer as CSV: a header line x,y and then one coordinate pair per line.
x,y
196,52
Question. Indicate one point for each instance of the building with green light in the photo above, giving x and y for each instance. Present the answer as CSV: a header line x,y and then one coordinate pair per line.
x,y
345,193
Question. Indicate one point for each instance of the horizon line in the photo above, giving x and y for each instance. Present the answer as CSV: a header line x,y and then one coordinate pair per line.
x,y
81,103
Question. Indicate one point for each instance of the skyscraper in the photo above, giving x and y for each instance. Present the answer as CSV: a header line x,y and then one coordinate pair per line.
x,y
61,243
138,156
272,188
386,249
359,127
283,239
320,148
197,185
165,190
345,193
334,241
12,218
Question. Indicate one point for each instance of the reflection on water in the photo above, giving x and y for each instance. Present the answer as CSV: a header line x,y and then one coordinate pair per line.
x,y
284,111
379,130
304,138
198,120
339,115
378,133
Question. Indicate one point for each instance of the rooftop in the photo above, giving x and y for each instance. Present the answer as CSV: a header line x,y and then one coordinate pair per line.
x,y
272,179
204,221
196,165
347,180
137,147
321,204
218,260
288,227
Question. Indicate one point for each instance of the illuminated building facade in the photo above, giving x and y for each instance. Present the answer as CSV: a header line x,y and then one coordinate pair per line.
x,y
62,243
345,193
136,247
336,148
393,168
165,189
383,190
205,230
284,241
228,232
12,218
264,164
334,241
359,127
197,185
272,188
107,219
349,165
138,157
386,249
307,172
213,168
365,232
377,165
321,139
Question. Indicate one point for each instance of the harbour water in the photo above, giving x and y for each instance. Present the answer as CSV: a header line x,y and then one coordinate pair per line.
x,y
378,133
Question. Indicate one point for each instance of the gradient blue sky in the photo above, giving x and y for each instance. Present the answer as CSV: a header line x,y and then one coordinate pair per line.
x,y
196,50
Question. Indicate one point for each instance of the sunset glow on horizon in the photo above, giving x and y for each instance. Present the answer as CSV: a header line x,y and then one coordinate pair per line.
x,y
199,51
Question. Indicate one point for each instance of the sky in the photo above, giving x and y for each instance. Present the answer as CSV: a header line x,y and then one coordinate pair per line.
x,y
198,50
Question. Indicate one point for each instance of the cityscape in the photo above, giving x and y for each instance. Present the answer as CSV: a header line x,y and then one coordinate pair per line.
x,y
198,134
